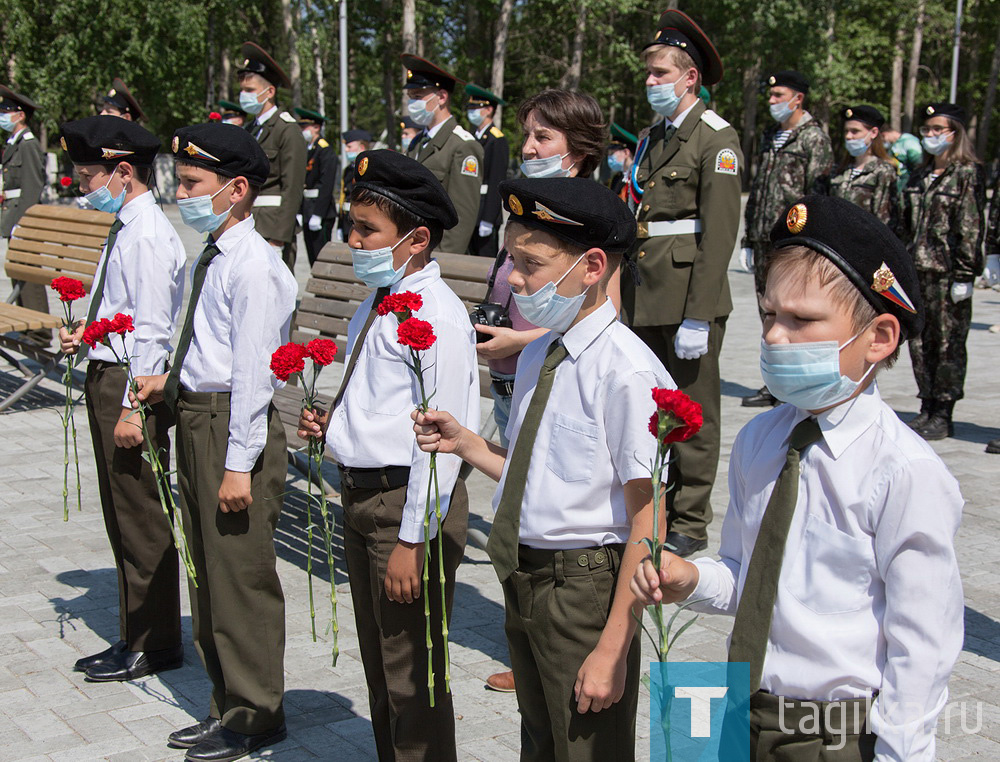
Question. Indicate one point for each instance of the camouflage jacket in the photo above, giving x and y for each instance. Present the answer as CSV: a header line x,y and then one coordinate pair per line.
x,y
786,174
874,190
943,220
993,226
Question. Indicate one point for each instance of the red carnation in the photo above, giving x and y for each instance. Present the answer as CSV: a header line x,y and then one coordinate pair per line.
x,y
416,334
97,332
677,417
69,289
214,116
322,351
121,324
65,181
287,360
405,303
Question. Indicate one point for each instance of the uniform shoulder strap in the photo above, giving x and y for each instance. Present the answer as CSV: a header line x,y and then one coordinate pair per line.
x,y
713,120
286,116
323,143
496,132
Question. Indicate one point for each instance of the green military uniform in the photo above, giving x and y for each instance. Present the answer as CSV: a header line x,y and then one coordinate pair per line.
x,y
23,180
784,174
453,154
873,189
685,192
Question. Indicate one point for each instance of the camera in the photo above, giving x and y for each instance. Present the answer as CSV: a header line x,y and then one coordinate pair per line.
x,y
490,314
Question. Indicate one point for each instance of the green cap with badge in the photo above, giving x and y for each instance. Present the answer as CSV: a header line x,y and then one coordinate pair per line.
x,y
480,96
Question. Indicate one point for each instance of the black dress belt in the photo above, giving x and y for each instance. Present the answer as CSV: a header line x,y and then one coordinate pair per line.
x,y
389,477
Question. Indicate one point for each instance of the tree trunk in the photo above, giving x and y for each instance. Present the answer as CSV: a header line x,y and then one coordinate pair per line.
x,y
822,105
225,76
896,99
210,89
318,65
500,54
295,67
911,73
571,79
410,26
986,121
390,69
751,93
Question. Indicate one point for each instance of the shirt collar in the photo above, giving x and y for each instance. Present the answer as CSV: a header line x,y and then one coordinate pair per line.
x,y
419,280
432,131
843,424
232,238
17,136
265,115
482,130
679,118
588,330
133,208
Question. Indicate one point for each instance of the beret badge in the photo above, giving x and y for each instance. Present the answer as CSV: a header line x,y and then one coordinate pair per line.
x,y
515,205
849,113
930,111
176,144
771,80
112,93
62,142
363,166
796,219
883,279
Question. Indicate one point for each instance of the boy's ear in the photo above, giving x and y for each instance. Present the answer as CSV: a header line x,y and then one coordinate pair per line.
x,y
420,241
595,261
886,337
239,190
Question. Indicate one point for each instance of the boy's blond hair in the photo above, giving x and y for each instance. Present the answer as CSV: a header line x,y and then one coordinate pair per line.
x,y
803,264
676,57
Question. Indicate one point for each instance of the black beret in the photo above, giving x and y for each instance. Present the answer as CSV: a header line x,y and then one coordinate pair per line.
x,y
422,73
257,61
408,183
122,99
575,209
865,114
792,79
229,150
865,250
108,140
351,135
678,30
950,110
11,101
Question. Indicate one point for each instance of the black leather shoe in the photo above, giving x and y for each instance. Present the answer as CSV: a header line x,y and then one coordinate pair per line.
x,y
682,545
131,665
921,418
993,447
761,398
937,427
82,665
191,736
225,745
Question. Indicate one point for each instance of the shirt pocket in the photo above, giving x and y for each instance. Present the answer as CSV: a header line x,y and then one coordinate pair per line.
x,y
571,448
383,386
832,571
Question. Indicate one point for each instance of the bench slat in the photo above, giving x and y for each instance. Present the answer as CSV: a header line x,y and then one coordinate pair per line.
x,y
44,276
66,252
14,318
62,226
34,234
71,213
51,263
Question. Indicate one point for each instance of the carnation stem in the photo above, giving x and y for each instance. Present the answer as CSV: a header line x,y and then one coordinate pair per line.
x,y
444,600
427,597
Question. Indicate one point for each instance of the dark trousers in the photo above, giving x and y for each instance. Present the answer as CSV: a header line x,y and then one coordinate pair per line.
x,y
317,239
149,606
840,735
288,254
485,247
938,354
237,609
696,461
557,605
392,635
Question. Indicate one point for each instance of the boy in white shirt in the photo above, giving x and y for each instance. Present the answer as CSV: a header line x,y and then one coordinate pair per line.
x,y
837,554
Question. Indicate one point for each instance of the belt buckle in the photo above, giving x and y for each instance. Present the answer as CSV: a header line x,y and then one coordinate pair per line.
x,y
643,231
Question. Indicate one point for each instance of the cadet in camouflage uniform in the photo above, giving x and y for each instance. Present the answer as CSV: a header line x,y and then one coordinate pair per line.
x,y
279,135
448,150
794,160
943,206
869,181
684,187
21,186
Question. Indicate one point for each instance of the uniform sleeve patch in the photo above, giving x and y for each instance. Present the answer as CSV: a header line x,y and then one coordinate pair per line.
x,y
470,166
726,162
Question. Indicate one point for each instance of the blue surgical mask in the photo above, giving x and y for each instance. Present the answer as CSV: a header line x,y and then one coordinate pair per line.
x,y
250,102
856,147
547,167
198,213
351,156
807,375
102,200
7,121
418,111
374,266
780,112
936,145
476,116
307,136
615,164
547,309
663,98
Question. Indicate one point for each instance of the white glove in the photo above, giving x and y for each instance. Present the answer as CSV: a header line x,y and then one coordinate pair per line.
x,y
691,341
746,259
960,292
298,220
992,271
485,229
315,223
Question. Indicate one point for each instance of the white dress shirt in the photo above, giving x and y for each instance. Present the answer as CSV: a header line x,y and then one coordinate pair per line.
x,y
242,316
593,437
678,119
145,280
869,597
371,428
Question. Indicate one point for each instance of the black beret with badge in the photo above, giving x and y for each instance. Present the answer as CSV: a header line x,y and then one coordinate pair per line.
x,y
422,73
226,149
406,182
862,247
950,110
351,135
256,60
11,101
865,114
678,30
122,99
574,209
108,140
791,79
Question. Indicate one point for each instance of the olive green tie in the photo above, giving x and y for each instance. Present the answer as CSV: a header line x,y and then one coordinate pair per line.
x,y
97,293
502,544
380,294
756,607
171,388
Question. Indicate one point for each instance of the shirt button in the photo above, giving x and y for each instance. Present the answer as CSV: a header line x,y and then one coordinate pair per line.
x,y
645,208
582,560
673,174
652,183
599,557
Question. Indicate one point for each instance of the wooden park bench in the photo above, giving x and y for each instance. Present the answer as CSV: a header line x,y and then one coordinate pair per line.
x,y
48,242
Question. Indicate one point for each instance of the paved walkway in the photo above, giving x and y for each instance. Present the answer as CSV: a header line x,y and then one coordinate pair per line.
x,y
58,594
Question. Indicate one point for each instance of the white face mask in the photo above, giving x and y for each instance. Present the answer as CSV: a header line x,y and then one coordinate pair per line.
x,y
198,212
307,136
547,309
250,102
419,111
664,98
780,112
551,166
374,266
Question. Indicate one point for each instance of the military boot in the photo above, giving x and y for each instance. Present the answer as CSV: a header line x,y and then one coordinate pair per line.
x,y
939,425
926,410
